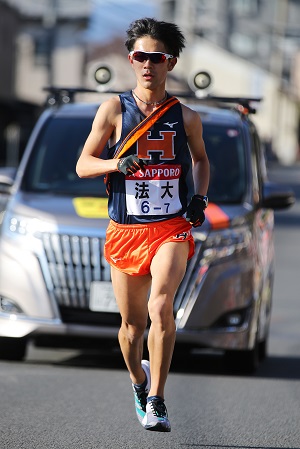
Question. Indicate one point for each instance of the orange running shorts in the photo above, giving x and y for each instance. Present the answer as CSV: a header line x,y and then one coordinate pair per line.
x,y
130,248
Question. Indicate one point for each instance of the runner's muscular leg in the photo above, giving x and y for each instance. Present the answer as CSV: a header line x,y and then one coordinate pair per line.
x,y
132,297
167,269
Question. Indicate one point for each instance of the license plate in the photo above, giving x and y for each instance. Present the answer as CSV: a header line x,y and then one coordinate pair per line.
x,y
102,298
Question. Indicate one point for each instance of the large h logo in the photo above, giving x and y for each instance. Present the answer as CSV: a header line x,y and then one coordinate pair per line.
x,y
164,145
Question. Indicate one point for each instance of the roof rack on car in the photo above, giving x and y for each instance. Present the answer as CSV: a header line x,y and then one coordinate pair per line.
x,y
243,104
64,95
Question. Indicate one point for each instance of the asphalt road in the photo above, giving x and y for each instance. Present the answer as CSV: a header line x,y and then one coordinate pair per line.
x,y
71,399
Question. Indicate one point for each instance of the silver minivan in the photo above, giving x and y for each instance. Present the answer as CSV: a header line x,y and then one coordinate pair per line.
x,y
55,283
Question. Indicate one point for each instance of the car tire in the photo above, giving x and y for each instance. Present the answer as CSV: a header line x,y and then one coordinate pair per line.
x,y
263,349
13,348
243,362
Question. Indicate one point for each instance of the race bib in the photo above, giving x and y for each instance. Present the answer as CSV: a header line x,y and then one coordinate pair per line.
x,y
154,191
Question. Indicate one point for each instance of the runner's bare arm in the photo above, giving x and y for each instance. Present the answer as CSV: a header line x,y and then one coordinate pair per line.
x,y
193,129
105,127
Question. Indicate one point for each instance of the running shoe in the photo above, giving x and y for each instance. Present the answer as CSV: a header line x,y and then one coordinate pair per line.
x,y
156,417
140,395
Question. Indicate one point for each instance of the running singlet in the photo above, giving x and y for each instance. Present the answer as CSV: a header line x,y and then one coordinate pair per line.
x,y
163,190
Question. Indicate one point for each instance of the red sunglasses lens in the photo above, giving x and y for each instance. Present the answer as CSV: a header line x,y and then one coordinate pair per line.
x,y
156,58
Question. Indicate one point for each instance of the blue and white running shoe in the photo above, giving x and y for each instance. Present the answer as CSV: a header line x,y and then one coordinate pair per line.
x,y
156,417
140,395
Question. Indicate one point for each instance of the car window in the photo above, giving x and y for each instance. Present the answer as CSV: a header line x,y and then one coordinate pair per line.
x,y
225,150
52,163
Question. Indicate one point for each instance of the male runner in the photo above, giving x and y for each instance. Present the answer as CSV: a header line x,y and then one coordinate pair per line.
x,y
157,193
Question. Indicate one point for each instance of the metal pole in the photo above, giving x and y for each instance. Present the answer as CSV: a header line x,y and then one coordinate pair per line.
x,y
50,23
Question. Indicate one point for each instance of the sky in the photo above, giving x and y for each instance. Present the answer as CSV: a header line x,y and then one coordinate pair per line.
x,y
111,18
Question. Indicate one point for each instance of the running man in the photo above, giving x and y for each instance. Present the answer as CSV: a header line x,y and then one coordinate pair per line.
x,y
157,192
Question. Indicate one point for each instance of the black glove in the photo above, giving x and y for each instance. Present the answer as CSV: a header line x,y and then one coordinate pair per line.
x,y
195,210
131,164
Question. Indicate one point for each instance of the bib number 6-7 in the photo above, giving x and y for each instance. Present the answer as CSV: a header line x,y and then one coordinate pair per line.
x,y
145,207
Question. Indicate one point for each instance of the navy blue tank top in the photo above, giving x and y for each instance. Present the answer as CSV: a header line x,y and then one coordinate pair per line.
x,y
163,190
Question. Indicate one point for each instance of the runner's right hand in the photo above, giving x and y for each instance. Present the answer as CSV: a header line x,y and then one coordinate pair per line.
x,y
131,164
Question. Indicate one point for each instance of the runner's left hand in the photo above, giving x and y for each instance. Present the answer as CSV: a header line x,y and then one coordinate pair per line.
x,y
195,211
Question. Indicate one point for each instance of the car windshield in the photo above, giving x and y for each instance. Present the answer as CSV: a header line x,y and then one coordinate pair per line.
x,y
52,164
53,161
225,150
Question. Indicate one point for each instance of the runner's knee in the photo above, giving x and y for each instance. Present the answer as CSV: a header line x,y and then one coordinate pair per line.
x,y
161,311
133,332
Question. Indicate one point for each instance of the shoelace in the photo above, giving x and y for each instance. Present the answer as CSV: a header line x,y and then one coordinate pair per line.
x,y
158,408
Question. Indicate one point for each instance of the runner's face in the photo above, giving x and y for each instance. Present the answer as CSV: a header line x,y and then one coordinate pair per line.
x,y
148,74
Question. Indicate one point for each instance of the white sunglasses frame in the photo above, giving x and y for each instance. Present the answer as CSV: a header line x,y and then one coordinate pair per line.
x,y
167,55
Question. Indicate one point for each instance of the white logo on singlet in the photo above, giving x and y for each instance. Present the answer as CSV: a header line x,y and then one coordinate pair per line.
x,y
170,124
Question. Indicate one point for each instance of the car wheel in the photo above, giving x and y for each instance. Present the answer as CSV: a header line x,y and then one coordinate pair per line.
x,y
243,362
263,349
12,348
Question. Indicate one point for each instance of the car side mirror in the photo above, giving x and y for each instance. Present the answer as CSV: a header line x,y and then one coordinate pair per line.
x,y
276,196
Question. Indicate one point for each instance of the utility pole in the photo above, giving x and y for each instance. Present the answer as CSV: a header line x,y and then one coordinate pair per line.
x,y
50,23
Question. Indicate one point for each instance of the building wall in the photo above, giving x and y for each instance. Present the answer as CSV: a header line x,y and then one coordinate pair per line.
x,y
66,62
250,48
277,117
50,48
9,26
40,44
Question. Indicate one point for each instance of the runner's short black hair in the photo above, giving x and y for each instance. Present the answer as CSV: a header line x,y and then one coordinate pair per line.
x,y
166,32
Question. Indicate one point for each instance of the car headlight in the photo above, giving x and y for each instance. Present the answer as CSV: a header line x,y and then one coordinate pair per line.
x,y
9,306
224,243
14,226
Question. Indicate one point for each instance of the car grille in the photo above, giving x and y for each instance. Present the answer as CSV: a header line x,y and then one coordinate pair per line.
x,y
73,262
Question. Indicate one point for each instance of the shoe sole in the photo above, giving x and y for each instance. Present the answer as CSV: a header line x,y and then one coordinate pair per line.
x,y
158,428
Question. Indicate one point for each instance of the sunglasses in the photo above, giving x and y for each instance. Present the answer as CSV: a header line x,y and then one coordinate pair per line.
x,y
156,57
